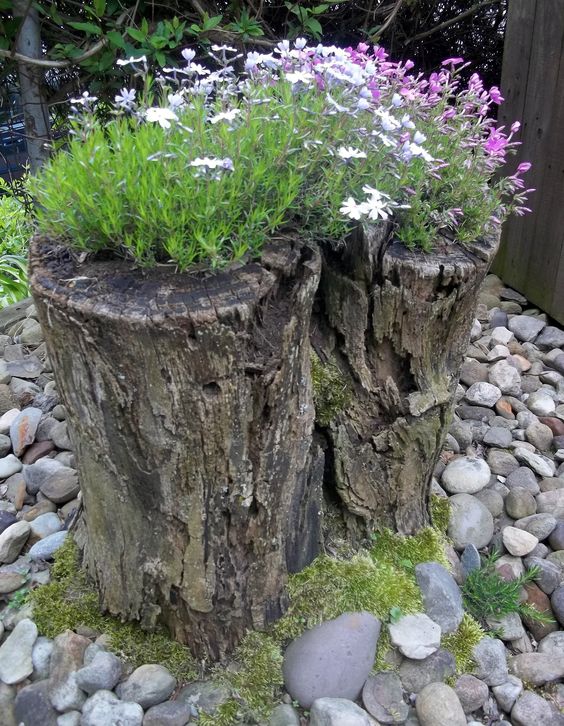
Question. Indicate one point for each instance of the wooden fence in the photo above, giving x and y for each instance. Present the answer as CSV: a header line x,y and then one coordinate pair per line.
x,y
531,258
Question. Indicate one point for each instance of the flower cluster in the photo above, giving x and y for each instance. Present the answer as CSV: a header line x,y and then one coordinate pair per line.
x,y
310,135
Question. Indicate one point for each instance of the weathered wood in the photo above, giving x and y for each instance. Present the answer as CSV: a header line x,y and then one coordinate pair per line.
x,y
397,324
531,257
189,397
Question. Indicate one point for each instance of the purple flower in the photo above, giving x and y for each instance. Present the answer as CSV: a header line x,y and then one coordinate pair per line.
x,y
452,61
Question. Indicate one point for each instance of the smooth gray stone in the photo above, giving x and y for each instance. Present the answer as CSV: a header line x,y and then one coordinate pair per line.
x,y
66,659
470,522
148,685
470,560
438,705
337,712
46,547
416,674
537,668
557,603
204,696
176,713
507,693
552,644
472,692
539,525
383,698
282,715
7,701
33,707
531,709
15,653
332,660
491,663
104,708
442,598
102,674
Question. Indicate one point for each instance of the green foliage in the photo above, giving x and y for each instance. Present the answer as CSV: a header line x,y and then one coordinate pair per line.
x,y
331,393
439,509
69,601
488,596
462,642
15,231
19,599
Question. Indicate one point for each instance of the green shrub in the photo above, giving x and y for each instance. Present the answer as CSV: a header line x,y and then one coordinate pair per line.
x,y
208,166
15,231
487,596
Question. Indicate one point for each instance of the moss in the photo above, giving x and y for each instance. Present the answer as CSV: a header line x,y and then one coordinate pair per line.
x,y
225,715
461,643
331,393
439,509
69,602
380,581
405,552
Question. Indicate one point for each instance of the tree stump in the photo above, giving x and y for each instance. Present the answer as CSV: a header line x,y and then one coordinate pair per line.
x,y
190,401
396,324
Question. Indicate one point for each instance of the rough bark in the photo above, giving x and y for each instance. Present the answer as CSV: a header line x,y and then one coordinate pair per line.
x,y
35,109
397,324
189,397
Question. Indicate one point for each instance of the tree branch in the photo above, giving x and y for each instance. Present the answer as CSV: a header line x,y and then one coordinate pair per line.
x,y
452,21
389,20
45,63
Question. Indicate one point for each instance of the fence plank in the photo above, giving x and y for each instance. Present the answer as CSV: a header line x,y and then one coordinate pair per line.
x,y
531,258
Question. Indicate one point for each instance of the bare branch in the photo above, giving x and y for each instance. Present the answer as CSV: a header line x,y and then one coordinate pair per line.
x,y
452,21
389,20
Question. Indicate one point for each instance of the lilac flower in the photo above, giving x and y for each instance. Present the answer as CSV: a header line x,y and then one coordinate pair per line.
x,y
452,61
523,167
125,99
495,95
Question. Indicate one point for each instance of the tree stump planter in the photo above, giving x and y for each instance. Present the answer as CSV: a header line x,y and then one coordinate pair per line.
x,y
191,406
189,398
396,324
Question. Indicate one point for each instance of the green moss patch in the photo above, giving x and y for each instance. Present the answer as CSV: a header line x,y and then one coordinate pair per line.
x,y
331,393
380,581
69,602
439,509
461,643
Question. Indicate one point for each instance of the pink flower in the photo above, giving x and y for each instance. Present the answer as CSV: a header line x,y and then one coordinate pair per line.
x,y
495,143
452,61
523,167
495,95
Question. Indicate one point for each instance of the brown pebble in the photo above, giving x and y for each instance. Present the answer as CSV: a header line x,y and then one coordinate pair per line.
x,y
503,408
554,424
38,450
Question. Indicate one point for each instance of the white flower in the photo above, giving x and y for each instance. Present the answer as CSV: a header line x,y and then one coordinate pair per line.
x,y
188,54
198,69
225,116
419,138
388,122
363,104
299,77
131,60
411,149
397,100
208,162
347,152
351,209
283,47
300,43
175,101
407,123
228,48
125,99
162,116
85,99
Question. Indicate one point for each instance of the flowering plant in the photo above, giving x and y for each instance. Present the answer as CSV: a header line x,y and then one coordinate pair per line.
x,y
205,164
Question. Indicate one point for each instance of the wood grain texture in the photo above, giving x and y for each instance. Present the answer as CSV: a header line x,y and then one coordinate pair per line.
x,y
531,257
190,402
397,323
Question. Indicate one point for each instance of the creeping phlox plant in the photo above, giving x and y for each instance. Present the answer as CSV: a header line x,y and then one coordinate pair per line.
x,y
205,163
